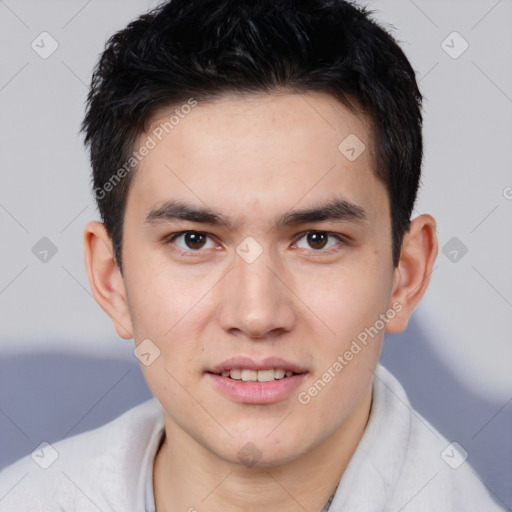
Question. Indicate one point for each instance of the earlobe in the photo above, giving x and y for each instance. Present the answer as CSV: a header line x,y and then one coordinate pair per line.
x,y
412,274
105,279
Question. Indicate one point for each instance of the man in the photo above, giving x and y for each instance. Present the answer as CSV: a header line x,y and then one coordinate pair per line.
x,y
255,165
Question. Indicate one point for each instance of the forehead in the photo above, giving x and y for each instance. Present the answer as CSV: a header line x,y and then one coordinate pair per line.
x,y
267,150
305,121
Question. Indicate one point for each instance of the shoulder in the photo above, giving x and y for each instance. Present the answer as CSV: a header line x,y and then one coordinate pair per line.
x,y
102,468
435,473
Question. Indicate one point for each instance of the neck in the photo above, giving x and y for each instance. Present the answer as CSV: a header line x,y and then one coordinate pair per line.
x,y
189,477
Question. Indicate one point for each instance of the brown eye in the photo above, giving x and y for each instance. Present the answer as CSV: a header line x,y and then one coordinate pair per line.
x,y
194,240
191,241
317,240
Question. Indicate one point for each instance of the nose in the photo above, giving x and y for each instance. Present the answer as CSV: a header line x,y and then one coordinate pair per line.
x,y
256,302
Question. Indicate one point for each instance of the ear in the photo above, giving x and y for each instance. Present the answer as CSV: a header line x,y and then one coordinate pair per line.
x,y
412,274
105,278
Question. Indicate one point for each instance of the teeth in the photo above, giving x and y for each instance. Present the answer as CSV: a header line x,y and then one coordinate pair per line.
x,y
249,375
279,374
235,374
257,376
265,375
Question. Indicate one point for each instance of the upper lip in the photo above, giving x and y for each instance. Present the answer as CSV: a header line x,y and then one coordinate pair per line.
x,y
246,363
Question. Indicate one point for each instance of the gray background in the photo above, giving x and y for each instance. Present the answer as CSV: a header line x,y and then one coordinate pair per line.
x,y
63,369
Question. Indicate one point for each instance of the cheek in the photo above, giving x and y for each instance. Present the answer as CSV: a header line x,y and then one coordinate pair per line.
x,y
345,299
171,307
349,304
161,296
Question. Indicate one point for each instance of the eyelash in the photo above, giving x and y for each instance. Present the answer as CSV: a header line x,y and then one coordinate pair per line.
x,y
343,240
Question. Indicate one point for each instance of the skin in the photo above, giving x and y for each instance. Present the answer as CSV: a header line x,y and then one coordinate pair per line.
x,y
254,159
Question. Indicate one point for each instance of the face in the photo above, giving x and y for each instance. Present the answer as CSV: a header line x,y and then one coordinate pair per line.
x,y
254,242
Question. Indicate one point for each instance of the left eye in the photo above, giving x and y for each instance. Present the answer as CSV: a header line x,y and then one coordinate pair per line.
x,y
192,240
318,240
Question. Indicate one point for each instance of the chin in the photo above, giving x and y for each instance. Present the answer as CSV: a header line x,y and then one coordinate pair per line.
x,y
261,451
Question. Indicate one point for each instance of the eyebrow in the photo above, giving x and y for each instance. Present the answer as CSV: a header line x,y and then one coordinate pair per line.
x,y
339,210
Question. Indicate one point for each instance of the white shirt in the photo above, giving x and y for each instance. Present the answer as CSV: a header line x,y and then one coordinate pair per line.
x,y
401,464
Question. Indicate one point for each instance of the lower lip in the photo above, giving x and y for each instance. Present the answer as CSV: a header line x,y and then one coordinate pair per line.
x,y
257,392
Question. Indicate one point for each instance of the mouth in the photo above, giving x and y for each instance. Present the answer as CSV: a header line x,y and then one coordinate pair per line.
x,y
267,381
266,375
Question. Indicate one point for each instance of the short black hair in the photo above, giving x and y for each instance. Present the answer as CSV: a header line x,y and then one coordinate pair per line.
x,y
205,49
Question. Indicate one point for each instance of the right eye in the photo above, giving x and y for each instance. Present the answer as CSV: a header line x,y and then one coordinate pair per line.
x,y
190,241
